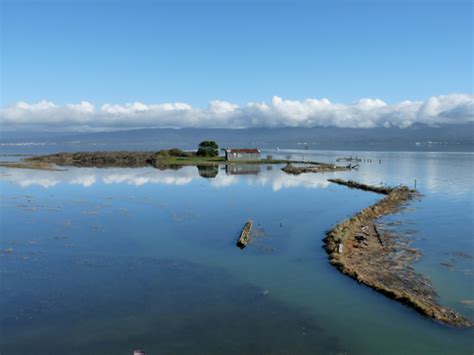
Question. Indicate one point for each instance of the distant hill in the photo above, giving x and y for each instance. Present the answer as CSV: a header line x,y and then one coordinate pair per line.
x,y
415,138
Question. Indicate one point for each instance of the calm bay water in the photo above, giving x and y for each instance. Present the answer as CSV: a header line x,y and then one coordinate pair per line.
x,y
103,261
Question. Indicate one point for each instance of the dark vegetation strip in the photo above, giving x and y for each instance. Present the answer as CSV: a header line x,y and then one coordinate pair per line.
x,y
162,159
97,159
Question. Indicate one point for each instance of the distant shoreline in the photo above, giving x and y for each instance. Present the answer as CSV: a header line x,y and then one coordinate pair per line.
x,y
157,159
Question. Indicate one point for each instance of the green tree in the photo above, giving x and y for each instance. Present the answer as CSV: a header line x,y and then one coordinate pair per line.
x,y
208,149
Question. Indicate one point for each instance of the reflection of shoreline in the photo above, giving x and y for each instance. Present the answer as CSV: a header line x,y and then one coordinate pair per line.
x,y
88,177
29,165
244,169
436,173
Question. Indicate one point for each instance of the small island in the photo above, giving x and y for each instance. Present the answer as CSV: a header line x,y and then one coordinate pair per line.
x,y
207,155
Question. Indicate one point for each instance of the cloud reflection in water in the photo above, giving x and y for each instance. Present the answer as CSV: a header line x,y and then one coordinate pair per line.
x,y
88,177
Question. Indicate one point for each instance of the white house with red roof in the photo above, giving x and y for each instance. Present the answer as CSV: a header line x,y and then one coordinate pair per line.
x,y
239,154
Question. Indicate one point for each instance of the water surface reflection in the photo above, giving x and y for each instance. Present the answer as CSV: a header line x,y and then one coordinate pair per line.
x,y
220,177
104,260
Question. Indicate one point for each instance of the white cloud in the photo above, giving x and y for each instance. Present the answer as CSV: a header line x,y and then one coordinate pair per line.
x,y
87,177
365,113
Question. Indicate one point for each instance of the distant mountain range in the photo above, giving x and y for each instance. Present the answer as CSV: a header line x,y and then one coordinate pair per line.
x,y
414,138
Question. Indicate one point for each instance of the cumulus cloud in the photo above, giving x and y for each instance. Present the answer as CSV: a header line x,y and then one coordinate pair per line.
x,y
364,113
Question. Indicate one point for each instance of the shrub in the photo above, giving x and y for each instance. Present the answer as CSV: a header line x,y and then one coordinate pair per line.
x,y
208,149
174,152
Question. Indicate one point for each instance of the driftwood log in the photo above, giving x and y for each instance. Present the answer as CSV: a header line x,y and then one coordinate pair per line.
x,y
244,237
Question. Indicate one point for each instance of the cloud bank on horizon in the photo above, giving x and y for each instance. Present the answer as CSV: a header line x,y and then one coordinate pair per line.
x,y
364,113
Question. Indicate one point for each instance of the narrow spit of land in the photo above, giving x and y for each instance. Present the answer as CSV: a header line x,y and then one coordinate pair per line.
x,y
164,159
380,261
314,168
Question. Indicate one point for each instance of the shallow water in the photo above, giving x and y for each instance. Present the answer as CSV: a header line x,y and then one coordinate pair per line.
x,y
102,261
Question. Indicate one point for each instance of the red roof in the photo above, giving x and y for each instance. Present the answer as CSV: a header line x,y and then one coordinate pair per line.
x,y
248,150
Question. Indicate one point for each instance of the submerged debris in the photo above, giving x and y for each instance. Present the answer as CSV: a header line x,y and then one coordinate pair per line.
x,y
245,235
7,251
357,249
462,254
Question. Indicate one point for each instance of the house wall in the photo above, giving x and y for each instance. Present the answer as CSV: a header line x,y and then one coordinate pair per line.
x,y
242,156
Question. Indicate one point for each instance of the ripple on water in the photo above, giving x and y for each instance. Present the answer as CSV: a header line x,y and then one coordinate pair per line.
x,y
97,305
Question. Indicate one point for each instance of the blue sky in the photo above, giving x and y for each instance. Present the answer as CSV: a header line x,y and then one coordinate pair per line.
x,y
116,52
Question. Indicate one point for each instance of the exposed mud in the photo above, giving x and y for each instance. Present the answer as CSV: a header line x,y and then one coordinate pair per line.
x,y
313,168
383,261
